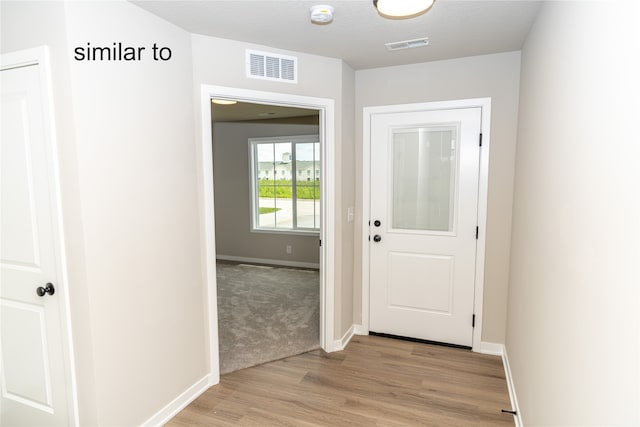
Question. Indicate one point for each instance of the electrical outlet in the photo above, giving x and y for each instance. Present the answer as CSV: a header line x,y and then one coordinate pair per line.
x,y
289,249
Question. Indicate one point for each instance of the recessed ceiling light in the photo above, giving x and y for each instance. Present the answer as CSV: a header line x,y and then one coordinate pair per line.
x,y
402,9
224,101
270,113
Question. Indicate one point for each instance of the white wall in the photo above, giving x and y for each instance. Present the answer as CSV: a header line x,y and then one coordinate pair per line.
x,y
232,200
495,76
573,335
30,24
346,184
127,160
138,190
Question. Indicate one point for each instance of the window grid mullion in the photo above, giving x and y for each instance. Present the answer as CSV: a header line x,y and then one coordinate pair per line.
x,y
256,183
314,187
294,193
275,188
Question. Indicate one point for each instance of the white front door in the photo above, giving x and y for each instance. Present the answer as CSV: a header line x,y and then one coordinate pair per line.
x,y
35,368
424,204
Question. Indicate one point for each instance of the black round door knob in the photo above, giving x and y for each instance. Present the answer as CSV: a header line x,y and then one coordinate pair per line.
x,y
377,238
377,223
48,290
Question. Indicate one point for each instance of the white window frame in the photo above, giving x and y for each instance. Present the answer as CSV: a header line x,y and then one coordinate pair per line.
x,y
253,182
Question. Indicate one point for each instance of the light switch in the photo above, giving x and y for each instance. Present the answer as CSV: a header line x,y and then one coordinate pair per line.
x,y
350,214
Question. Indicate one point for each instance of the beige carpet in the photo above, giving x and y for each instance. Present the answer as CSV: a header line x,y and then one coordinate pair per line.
x,y
265,313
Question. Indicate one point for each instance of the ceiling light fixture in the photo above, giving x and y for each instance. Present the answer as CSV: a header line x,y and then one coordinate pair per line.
x,y
224,101
322,14
402,9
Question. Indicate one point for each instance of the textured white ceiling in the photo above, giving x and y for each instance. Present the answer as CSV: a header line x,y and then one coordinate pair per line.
x,y
244,111
357,34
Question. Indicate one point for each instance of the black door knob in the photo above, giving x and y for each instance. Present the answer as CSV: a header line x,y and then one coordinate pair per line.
x,y
48,290
377,238
377,223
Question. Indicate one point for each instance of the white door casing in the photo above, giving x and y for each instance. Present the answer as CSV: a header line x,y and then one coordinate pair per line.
x,y
435,268
37,383
326,108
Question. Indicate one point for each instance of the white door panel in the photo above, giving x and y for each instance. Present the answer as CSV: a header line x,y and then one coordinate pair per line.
x,y
406,272
34,370
424,193
27,379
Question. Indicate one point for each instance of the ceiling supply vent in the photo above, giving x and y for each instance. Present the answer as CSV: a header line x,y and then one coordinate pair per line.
x,y
408,44
271,66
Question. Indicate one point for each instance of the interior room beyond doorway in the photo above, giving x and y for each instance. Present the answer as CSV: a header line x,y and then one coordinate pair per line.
x,y
266,169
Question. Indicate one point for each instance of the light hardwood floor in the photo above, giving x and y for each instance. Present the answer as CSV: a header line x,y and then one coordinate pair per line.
x,y
374,381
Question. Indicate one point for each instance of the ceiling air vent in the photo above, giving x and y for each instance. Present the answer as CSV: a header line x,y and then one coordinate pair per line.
x,y
270,66
408,44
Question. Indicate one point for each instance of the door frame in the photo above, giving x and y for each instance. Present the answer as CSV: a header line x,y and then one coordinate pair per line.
x,y
483,185
326,109
40,57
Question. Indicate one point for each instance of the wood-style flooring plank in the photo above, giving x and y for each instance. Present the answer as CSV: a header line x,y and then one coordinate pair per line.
x,y
374,381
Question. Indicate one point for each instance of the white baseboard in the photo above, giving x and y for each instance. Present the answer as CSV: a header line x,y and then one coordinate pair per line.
x,y
178,404
512,389
496,349
360,330
339,345
491,348
268,261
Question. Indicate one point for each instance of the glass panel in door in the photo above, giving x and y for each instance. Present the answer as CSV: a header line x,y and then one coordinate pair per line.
x,y
424,163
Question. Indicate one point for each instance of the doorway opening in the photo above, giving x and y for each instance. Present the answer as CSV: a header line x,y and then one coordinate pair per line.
x,y
323,110
266,164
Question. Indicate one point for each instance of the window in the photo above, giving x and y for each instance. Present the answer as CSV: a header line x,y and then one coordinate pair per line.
x,y
290,202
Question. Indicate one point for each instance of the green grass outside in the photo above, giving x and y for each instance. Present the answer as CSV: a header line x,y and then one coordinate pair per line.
x,y
268,210
281,189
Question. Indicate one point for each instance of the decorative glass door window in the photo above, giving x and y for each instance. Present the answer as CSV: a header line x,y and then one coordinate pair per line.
x,y
424,178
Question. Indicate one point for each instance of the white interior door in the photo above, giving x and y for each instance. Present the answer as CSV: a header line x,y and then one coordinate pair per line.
x,y
424,204
35,368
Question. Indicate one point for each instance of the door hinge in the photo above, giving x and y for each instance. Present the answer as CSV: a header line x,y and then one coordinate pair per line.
x,y
480,140
320,242
477,232
473,321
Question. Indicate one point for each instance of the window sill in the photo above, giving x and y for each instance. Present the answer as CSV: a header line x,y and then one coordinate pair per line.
x,y
310,233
